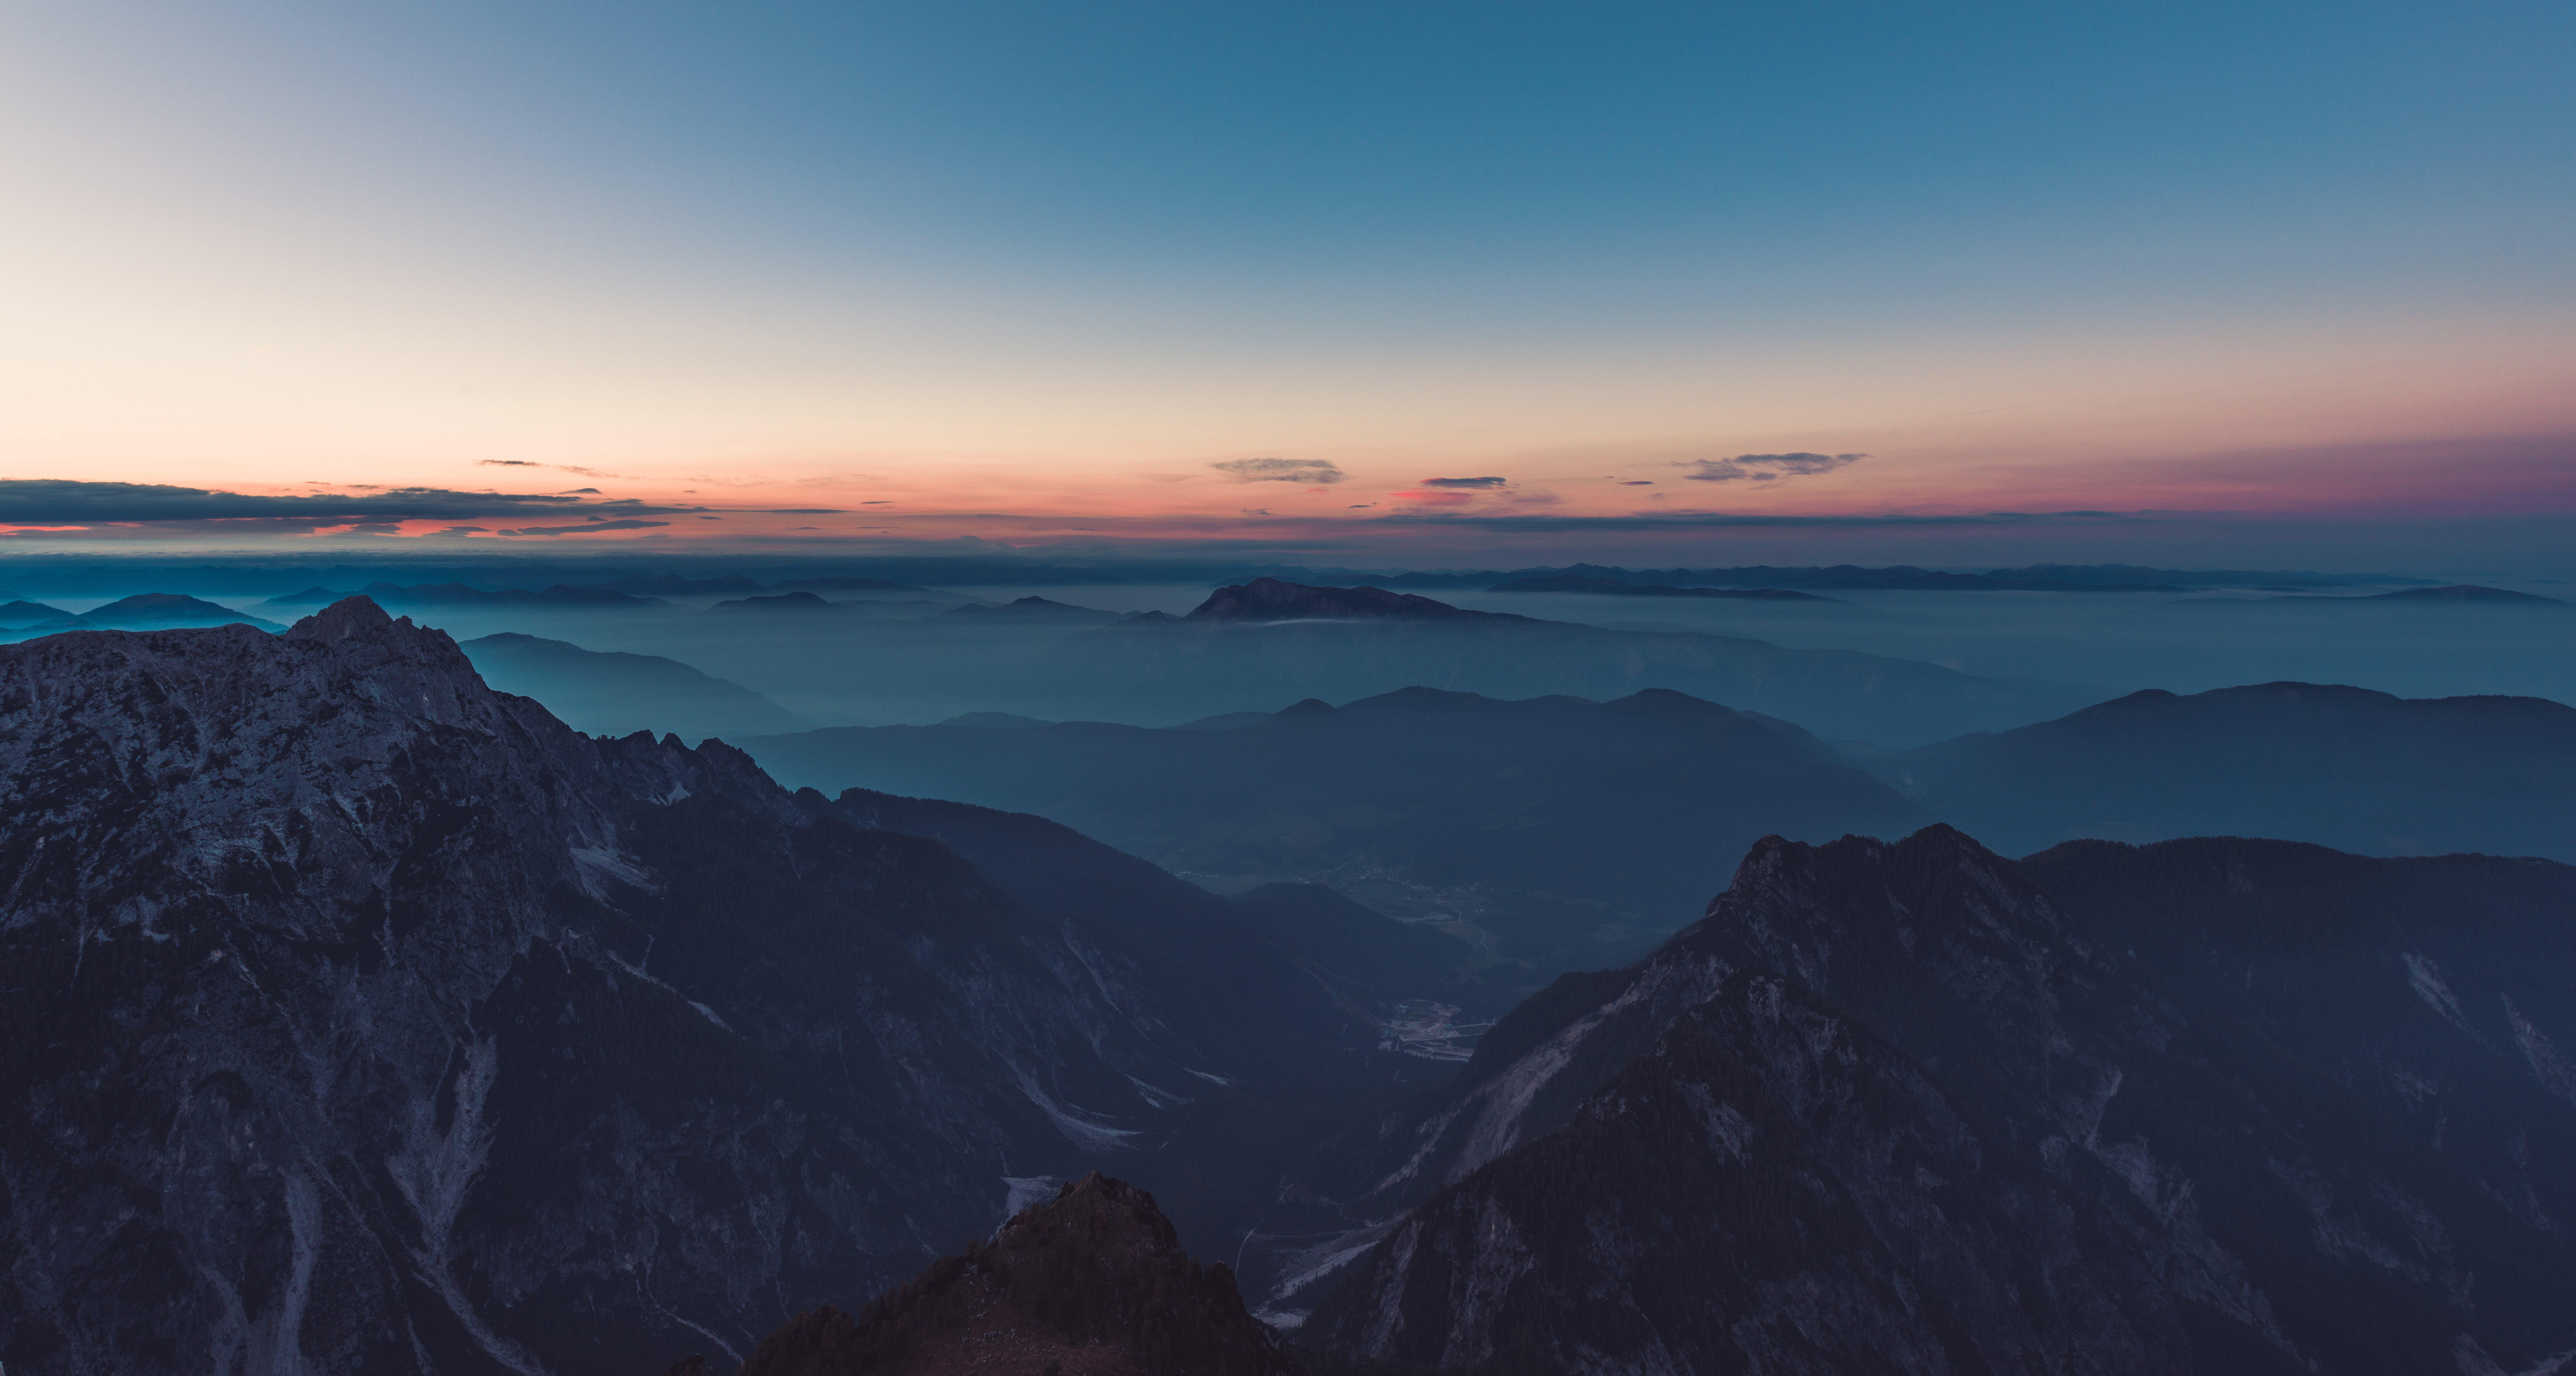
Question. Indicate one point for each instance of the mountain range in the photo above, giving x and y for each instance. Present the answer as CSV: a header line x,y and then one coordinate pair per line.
x,y
1549,834
610,693
2345,767
148,610
2218,1106
1247,646
1908,578
364,1017
361,1016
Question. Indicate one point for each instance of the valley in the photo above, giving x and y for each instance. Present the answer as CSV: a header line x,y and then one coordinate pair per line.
x,y
452,1012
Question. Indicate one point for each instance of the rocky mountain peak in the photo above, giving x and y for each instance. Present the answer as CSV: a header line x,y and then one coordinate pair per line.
x,y
353,616
1090,1283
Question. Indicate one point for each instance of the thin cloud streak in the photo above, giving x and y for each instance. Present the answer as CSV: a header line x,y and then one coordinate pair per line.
x,y
58,501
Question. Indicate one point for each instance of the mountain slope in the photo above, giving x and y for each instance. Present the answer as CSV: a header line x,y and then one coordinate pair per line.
x,y
1092,1283
361,1016
2209,1106
2343,767
614,694
1250,646
152,610
1564,833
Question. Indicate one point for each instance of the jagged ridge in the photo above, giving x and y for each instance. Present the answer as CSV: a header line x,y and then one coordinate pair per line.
x,y
1090,1283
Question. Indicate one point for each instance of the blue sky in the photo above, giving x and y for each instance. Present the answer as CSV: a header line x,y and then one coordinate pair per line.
x,y
1048,258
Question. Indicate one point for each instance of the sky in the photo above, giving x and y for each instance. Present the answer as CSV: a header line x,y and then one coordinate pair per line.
x,y
1416,282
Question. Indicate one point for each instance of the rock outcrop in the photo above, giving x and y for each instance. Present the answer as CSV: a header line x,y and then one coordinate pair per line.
x,y
2213,1106
358,1017
1090,1283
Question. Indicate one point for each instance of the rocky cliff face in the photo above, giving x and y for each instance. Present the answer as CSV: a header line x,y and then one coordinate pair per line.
x,y
2213,1106
360,1017
1090,1283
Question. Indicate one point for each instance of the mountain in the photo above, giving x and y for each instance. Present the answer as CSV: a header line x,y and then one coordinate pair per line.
x,y
2457,592
2206,1106
360,1016
781,602
2345,767
1036,607
25,613
158,609
614,694
1268,599
677,585
1552,834
1613,587
1907,578
462,595
1092,1281
845,585
1249,646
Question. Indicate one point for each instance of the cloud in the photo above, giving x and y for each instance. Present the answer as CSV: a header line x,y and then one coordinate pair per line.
x,y
1686,520
1281,470
1763,468
1481,483
1638,482
591,528
558,467
66,501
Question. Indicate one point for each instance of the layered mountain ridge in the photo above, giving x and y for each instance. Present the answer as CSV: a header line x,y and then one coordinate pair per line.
x,y
2204,1106
2346,767
1550,834
363,1017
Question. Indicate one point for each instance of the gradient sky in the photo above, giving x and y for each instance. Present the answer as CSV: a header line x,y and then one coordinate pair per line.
x,y
1042,272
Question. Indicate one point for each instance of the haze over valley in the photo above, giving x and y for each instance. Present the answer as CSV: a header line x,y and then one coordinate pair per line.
x,y
1287,690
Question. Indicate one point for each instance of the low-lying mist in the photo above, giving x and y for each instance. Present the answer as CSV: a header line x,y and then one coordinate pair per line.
x,y
904,657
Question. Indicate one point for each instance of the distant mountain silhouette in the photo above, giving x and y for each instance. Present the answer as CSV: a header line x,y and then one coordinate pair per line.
x,y
1253,645
2209,1106
839,584
1897,578
1034,607
777,602
1613,587
1572,833
2346,767
25,613
461,595
1268,599
1091,1281
993,721
677,585
152,610
2460,592
614,694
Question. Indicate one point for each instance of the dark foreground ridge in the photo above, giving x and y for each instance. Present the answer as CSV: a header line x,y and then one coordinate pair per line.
x,y
2215,1106
360,1017
1092,1283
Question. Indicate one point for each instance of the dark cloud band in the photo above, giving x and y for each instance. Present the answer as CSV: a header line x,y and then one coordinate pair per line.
x,y
1281,470
66,501
1763,468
